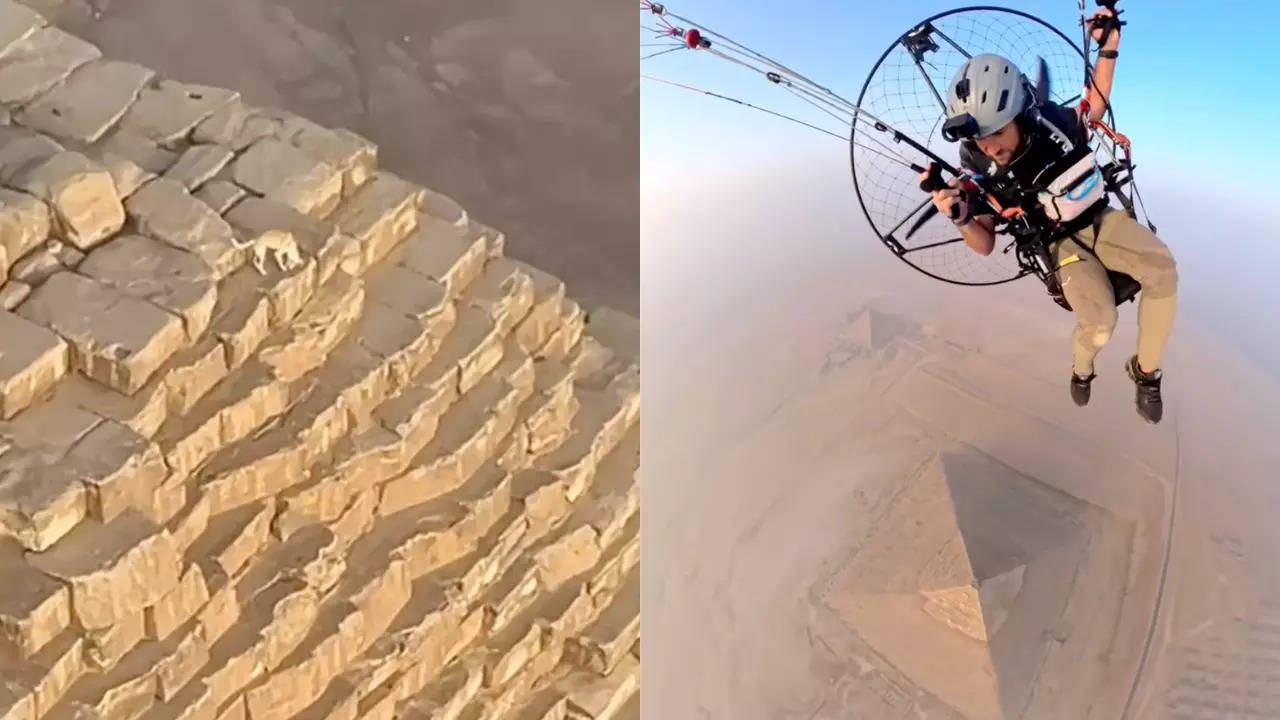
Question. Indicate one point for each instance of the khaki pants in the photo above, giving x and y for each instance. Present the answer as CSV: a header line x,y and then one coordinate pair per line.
x,y
1126,246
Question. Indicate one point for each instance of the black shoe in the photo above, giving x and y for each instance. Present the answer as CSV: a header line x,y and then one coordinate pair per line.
x,y
1150,404
1080,387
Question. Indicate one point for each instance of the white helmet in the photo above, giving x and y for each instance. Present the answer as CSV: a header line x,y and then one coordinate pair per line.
x,y
990,91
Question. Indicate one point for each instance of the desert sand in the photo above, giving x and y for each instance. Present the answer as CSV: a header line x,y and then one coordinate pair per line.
x,y
872,496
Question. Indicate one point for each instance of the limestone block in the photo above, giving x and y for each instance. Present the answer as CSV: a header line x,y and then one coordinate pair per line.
x,y
401,343
167,110
160,273
24,225
379,215
234,537
354,156
190,653
34,608
32,360
197,165
17,21
195,701
88,103
597,697
126,173
39,502
305,343
82,194
286,174
163,209
45,677
39,61
13,293
444,253
117,340
38,265
178,605
220,194
105,646
120,469
237,126
504,292
142,152
544,316
113,569
332,643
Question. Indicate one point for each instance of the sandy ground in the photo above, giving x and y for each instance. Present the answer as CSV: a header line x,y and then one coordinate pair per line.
x,y
526,113
812,480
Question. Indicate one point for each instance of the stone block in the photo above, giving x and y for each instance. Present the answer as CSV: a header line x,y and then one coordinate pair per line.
x,y
82,194
172,279
88,103
286,174
167,110
117,340
32,360
163,209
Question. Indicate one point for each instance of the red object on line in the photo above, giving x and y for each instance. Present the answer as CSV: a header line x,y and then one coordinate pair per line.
x,y
693,38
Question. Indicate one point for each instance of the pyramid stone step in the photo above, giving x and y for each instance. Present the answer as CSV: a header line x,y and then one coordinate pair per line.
x,y
88,103
197,165
34,360
592,697
285,174
34,607
115,339
379,215
602,647
41,59
164,210
167,110
172,279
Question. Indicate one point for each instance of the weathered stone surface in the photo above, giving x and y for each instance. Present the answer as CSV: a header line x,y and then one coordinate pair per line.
x,y
379,215
544,316
354,156
597,697
104,647
178,605
137,149
32,360
39,502
197,165
163,209
46,677
117,340
168,110
13,293
34,608
190,653
305,343
24,224
38,265
504,292
17,21
237,126
82,194
220,195
444,253
602,648
236,536
88,103
113,569
160,273
286,174
38,62
127,174
120,469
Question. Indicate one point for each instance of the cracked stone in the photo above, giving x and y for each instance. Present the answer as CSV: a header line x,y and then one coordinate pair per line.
x,y
32,360
198,164
168,110
88,103
86,207
287,175
159,273
163,209
39,61
117,340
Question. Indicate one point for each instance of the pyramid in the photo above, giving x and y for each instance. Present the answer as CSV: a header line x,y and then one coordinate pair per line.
x,y
968,568
283,434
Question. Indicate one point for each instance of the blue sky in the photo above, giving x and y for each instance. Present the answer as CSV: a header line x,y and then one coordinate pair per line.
x,y
1194,87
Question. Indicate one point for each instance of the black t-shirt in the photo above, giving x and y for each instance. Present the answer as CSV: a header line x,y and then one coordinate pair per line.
x,y
1038,153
